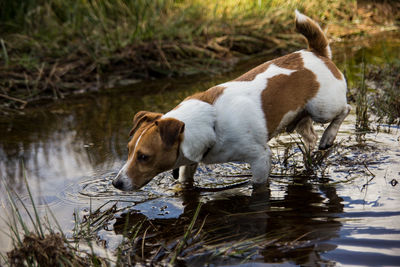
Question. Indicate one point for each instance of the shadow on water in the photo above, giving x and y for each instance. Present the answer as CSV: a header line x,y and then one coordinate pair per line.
x,y
71,150
236,227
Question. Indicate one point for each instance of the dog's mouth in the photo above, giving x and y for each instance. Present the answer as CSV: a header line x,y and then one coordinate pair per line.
x,y
124,183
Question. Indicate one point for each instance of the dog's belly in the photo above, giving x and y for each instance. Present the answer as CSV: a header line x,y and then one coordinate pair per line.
x,y
240,127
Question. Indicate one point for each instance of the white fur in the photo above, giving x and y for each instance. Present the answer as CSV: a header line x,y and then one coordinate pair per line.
x,y
328,49
126,181
241,123
301,18
330,100
286,119
199,135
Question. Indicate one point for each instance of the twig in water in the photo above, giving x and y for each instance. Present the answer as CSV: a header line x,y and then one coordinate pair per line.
x,y
368,180
365,165
143,241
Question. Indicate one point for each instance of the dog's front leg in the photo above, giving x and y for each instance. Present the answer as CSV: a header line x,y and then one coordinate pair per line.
x,y
186,174
260,168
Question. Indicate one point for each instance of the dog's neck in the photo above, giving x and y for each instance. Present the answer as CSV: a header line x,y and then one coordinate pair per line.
x,y
182,160
199,134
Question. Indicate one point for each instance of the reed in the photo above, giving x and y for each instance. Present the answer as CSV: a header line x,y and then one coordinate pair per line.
x,y
362,116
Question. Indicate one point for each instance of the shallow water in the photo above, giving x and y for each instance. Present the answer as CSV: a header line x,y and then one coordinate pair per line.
x,y
346,212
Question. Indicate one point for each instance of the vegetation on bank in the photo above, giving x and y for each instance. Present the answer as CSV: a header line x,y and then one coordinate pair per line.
x,y
386,98
375,89
52,48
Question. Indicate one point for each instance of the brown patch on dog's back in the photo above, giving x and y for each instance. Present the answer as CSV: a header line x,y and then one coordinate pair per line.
x,y
286,93
250,75
332,67
293,61
209,96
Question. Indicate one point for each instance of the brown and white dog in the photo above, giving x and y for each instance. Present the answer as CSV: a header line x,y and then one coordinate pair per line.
x,y
234,121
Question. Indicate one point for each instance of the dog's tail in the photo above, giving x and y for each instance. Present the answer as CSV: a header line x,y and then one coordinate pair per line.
x,y
316,38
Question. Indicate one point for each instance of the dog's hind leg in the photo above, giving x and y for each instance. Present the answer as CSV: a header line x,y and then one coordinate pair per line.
x,y
330,133
305,128
261,167
186,174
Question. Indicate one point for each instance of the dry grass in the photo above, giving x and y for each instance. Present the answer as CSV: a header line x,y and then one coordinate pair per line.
x,y
51,250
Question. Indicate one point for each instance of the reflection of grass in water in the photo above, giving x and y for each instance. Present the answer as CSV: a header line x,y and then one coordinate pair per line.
x,y
42,246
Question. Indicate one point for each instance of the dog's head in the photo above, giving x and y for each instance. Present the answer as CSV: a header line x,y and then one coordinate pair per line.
x,y
154,148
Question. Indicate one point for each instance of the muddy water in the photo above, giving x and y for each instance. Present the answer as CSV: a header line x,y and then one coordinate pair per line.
x,y
346,211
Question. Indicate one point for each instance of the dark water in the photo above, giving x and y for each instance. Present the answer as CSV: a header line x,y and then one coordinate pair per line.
x,y
346,213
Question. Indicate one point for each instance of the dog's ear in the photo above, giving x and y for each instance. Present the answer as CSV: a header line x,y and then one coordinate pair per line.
x,y
143,116
170,130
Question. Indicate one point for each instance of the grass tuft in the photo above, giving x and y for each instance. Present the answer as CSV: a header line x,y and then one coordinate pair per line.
x,y
41,246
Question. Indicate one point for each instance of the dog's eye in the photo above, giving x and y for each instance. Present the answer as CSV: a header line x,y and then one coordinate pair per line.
x,y
142,157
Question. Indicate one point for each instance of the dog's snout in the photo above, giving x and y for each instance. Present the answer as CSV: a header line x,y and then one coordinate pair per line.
x,y
117,183
122,181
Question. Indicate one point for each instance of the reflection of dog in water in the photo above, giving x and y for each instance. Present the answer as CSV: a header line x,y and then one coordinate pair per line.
x,y
233,121
295,228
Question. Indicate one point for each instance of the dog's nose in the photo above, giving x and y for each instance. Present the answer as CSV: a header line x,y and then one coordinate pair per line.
x,y
117,183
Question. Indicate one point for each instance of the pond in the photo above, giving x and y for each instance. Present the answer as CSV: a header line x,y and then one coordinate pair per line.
x,y
346,211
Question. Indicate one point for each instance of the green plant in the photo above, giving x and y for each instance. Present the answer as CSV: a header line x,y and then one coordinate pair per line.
x,y
362,117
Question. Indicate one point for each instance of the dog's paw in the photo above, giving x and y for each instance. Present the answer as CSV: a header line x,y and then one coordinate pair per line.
x,y
325,146
180,187
327,141
177,188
